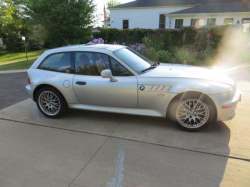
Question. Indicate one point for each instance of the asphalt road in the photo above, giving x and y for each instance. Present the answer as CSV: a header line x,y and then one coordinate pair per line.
x,y
12,88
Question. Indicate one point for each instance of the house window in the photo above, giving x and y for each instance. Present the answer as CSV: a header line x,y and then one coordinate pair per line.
x,y
246,24
194,22
162,21
228,21
178,23
125,24
211,21
245,21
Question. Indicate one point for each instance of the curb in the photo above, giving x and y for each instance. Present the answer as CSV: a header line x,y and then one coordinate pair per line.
x,y
13,71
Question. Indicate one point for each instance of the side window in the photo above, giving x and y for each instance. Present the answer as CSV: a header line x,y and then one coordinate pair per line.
x,y
88,63
59,62
118,69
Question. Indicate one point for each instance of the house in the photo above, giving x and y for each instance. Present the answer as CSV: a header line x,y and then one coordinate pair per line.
x,y
174,14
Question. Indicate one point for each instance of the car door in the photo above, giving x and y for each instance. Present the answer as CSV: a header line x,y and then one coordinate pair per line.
x,y
91,89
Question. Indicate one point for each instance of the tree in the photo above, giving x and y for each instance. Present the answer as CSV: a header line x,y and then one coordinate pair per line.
x,y
66,21
110,4
7,9
12,24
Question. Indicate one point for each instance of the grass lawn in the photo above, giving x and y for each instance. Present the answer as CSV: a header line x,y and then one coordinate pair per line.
x,y
17,60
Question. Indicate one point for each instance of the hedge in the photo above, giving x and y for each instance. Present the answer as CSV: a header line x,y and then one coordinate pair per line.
x,y
163,39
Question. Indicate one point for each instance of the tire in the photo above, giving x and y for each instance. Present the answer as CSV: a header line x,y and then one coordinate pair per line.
x,y
51,102
192,112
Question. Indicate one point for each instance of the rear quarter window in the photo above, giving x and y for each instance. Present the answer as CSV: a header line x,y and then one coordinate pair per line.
x,y
60,62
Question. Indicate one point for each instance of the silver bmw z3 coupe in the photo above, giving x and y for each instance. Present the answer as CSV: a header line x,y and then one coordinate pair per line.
x,y
117,79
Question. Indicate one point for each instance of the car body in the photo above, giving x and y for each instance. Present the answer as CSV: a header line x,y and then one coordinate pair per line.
x,y
155,91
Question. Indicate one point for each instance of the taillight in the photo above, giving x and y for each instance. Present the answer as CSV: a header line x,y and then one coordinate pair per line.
x,y
29,81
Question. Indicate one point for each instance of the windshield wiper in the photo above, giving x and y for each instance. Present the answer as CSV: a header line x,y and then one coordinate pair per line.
x,y
156,64
153,66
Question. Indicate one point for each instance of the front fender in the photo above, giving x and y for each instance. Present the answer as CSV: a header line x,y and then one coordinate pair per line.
x,y
197,85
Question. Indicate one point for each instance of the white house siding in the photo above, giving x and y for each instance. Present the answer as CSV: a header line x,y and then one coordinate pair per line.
x,y
219,18
146,18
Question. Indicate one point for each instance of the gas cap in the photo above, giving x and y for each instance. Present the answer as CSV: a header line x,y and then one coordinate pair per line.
x,y
66,84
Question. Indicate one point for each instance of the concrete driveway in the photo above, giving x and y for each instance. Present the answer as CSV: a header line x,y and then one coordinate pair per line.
x,y
92,149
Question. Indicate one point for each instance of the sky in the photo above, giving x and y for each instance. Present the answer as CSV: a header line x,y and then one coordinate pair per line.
x,y
100,7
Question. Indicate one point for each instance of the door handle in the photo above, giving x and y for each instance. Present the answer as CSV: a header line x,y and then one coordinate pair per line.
x,y
81,83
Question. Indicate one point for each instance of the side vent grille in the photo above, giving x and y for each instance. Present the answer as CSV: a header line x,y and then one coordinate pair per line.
x,y
156,88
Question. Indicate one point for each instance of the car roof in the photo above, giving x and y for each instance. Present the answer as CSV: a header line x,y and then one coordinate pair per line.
x,y
83,47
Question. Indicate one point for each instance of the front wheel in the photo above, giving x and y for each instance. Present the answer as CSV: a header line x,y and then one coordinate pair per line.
x,y
193,112
51,102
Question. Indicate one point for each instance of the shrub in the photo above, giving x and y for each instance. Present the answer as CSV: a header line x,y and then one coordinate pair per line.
x,y
163,56
202,40
147,41
183,56
215,35
189,35
13,43
205,57
164,39
172,38
130,36
187,45
149,53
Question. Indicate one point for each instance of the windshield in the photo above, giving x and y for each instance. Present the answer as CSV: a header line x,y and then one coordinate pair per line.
x,y
133,59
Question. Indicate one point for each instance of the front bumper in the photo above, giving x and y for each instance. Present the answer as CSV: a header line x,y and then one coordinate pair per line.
x,y
226,109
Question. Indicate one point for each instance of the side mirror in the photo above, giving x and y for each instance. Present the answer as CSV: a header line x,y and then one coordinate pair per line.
x,y
108,74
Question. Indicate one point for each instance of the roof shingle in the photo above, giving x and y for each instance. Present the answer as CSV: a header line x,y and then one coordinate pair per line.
x,y
224,7
157,3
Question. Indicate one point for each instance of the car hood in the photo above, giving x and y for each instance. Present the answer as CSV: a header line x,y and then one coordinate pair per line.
x,y
186,71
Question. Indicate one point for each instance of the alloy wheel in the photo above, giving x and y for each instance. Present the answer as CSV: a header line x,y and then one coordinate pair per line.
x,y
49,103
192,113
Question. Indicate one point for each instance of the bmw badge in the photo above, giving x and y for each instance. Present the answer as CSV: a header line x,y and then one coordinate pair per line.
x,y
142,88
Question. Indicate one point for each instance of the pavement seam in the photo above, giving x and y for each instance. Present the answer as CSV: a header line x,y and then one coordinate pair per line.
x,y
116,127
139,141
183,149
107,138
88,162
41,125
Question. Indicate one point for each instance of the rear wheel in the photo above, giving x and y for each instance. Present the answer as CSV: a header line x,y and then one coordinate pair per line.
x,y
50,102
193,112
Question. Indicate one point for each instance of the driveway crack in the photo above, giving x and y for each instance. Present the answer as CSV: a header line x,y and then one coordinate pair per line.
x,y
110,135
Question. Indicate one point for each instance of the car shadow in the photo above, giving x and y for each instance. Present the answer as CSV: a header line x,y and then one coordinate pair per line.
x,y
210,146
211,143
